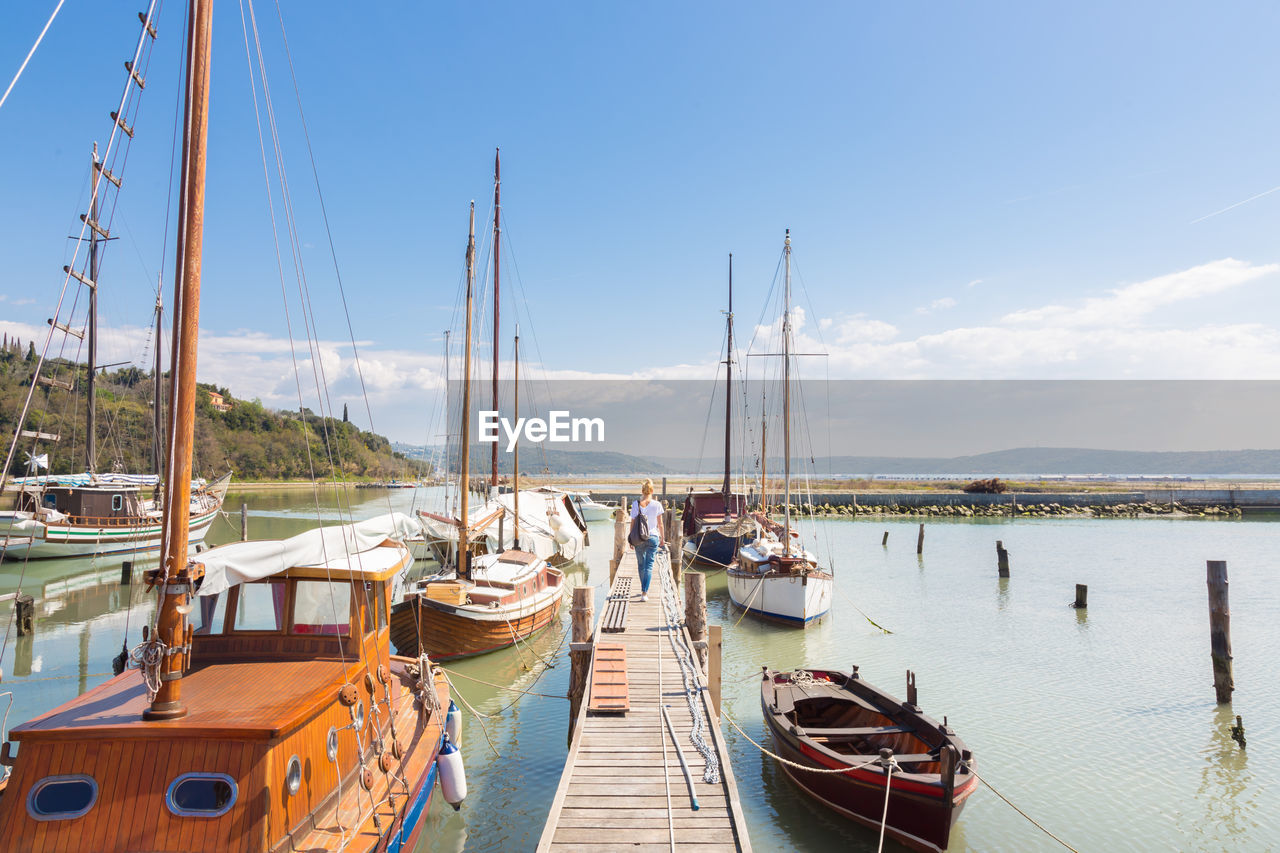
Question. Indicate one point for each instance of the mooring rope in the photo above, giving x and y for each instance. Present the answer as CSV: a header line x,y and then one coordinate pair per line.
x,y
788,761
457,674
1020,811
689,675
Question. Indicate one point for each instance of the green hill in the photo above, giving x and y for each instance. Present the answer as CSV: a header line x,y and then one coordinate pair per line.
x,y
249,439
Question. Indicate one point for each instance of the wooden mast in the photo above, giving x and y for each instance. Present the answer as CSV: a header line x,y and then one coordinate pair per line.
x,y
174,571
91,397
728,392
464,482
786,395
515,460
497,257
764,464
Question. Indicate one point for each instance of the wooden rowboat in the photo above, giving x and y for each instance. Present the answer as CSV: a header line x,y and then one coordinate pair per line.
x,y
826,720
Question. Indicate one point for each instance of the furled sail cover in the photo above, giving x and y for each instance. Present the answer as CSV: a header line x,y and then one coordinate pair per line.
x,y
339,546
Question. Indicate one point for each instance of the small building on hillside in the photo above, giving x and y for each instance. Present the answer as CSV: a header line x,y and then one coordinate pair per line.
x,y
218,402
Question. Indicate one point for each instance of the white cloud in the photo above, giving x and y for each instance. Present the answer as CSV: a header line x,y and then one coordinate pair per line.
x,y
974,283
937,305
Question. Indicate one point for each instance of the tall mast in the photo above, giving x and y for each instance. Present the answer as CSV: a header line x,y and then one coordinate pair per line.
x,y
515,460
764,465
171,623
728,391
786,393
497,257
90,421
446,420
157,403
464,481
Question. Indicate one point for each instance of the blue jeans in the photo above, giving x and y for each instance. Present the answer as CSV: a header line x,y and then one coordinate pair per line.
x,y
645,552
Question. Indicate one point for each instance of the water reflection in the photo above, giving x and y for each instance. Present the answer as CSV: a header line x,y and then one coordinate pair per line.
x,y
1227,793
1002,593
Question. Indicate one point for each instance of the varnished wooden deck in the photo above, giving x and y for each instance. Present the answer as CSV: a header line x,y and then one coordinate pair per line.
x,y
622,788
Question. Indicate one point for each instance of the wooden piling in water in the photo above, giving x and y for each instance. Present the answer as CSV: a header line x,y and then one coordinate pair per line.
x,y
664,490
695,613
583,623
1002,559
619,538
920,540
675,546
1220,631
126,573
1082,596
244,522
25,614
715,645
884,540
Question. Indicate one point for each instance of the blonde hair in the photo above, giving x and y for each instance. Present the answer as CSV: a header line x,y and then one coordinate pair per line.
x,y
646,488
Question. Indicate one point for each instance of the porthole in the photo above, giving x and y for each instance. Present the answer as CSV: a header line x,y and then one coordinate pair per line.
x,y
201,795
293,776
62,797
331,744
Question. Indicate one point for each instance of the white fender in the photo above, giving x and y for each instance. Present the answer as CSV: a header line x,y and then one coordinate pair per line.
x,y
453,777
453,723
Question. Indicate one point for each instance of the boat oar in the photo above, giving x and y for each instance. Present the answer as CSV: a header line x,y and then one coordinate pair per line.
x,y
680,754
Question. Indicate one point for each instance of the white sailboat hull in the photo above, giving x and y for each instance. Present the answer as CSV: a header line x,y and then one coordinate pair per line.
x,y
797,598
66,540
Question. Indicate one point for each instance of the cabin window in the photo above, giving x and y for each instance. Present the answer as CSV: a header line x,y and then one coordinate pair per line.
x,y
380,597
201,795
62,797
322,607
209,613
117,503
261,606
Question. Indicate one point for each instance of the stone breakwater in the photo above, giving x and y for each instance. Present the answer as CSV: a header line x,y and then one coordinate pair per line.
x,y
1028,510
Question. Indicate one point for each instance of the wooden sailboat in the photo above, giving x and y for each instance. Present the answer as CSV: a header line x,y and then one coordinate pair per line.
x,y
267,712
826,720
710,526
774,576
94,513
493,600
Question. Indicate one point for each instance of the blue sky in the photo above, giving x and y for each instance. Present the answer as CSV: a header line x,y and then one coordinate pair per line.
x,y
978,191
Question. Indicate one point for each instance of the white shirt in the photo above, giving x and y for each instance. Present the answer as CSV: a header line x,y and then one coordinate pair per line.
x,y
652,512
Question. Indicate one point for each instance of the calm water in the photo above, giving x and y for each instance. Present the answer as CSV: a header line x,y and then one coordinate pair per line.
x,y
1101,725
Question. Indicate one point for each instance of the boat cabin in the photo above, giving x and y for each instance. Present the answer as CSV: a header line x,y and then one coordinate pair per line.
x,y
291,678
96,502
703,508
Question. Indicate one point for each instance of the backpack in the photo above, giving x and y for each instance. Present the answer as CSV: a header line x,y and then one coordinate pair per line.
x,y
639,528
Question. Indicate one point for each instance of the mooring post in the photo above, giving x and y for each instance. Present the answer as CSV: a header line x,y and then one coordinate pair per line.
x,y
619,538
920,540
1082,596
1220,631
675,546
1002,559
884,540
25,612
664,489
244,522
580,646
126,573
714,647
695,613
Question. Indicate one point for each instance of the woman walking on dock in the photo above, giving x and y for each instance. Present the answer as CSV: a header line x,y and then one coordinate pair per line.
x,y
648,547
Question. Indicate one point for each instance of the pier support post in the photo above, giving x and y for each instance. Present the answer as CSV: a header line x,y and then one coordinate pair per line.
x,y
714,647
1220,631
695,613
244,522
25,614
920,540
884,540
582,617
1082,596
664,490
619,537
1002,559
126,573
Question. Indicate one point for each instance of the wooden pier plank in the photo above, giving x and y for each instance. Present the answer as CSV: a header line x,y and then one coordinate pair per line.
x,y
622,787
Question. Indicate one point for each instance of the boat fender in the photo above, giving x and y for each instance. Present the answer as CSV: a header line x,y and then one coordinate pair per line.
x,y
555,522
453,778
453,723
562,535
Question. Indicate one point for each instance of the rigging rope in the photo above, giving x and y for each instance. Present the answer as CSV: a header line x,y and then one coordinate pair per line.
x,y
31,53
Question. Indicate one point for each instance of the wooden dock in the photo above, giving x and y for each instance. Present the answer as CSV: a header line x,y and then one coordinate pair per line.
x,y
622,786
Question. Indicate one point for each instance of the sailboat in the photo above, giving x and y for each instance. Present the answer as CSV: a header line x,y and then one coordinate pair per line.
x,y
493,600
552,528
266,711
94,513
711,519
774,576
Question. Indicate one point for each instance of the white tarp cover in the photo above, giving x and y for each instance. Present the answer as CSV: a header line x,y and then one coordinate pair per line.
x,y
228,565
